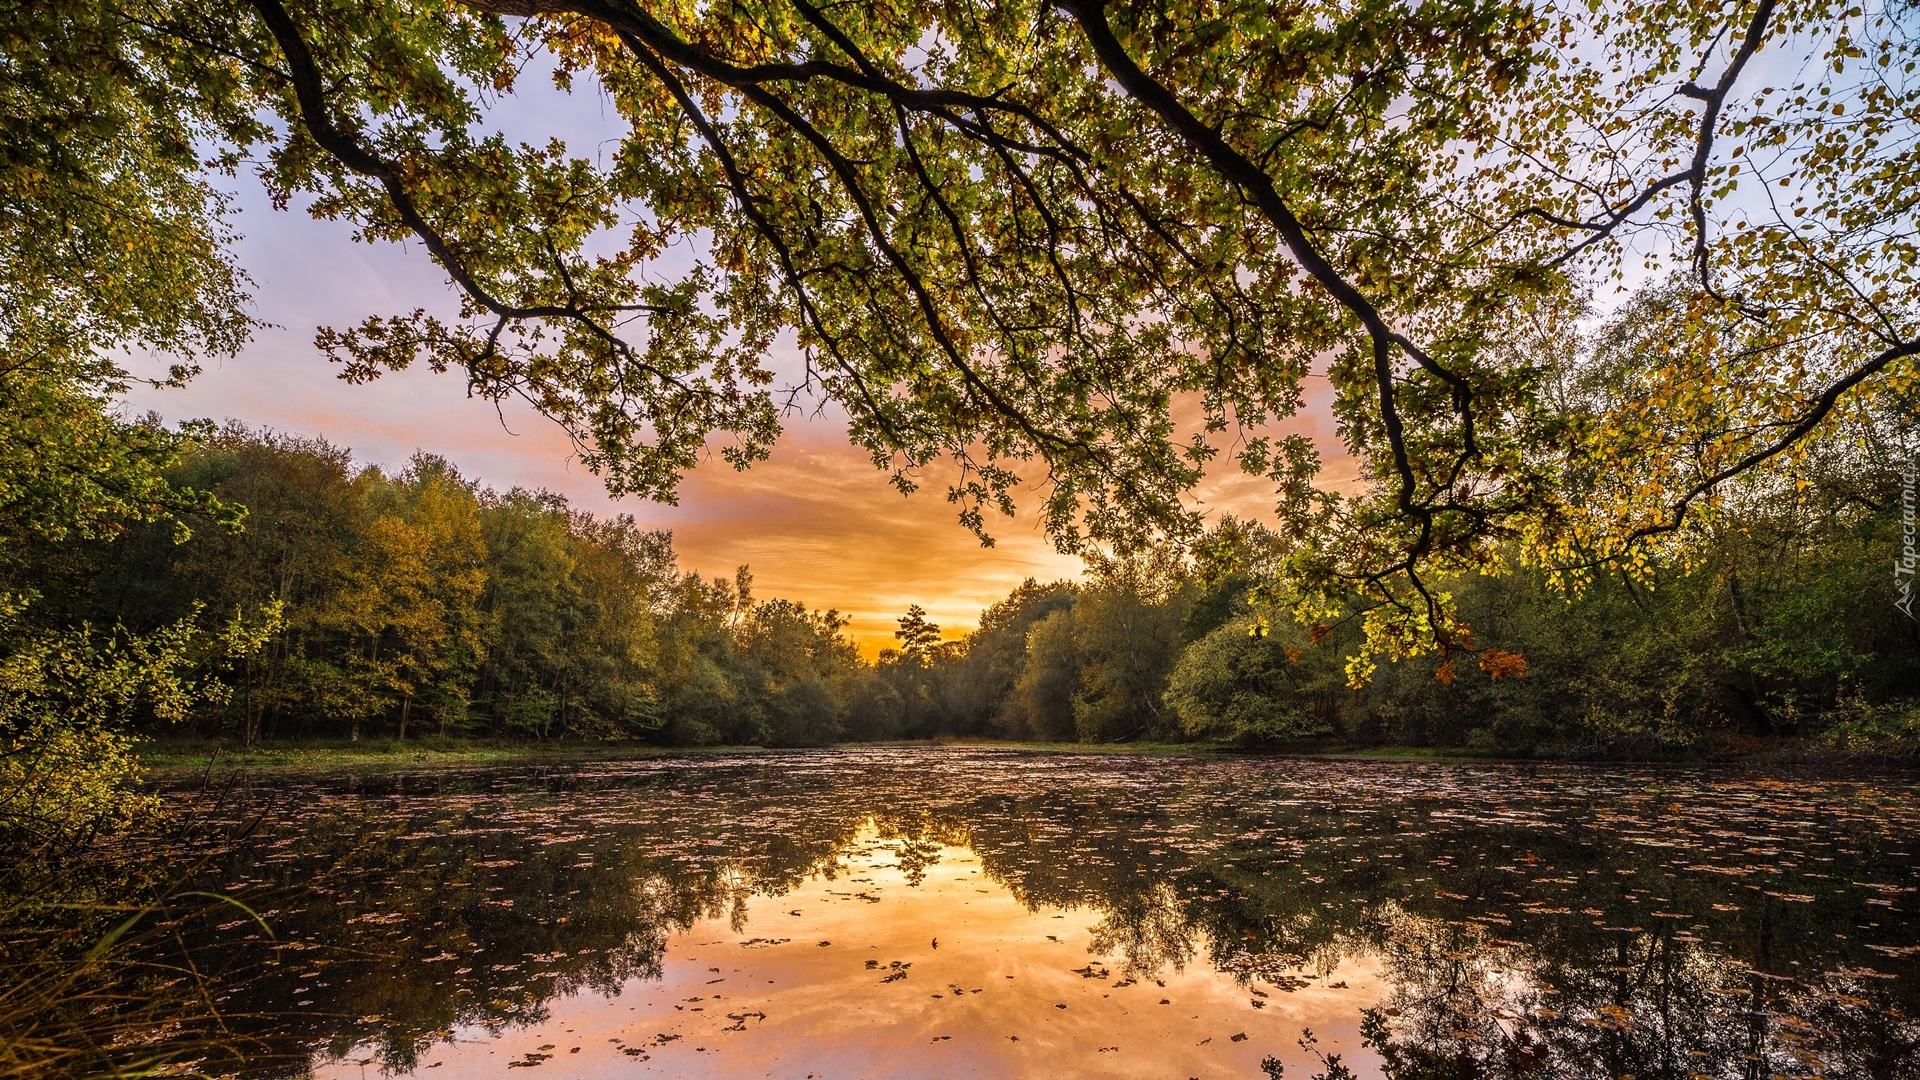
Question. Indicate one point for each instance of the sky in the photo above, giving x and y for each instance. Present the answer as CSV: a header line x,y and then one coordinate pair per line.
x,y
817,523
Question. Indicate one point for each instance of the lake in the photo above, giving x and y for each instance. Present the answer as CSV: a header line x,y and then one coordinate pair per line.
x,y
982,912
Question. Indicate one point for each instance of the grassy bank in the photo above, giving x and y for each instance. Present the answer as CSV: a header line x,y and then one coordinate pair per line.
x,y
169,758
176,758
173,758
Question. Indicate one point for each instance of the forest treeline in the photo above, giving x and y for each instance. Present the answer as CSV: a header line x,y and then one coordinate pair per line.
x,y
351,602
398,604
1781,628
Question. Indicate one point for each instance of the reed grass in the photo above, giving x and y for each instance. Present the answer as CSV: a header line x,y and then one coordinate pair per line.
x,y
97,979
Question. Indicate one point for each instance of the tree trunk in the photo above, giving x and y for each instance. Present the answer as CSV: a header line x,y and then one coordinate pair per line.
x,y
406,703
373,661
248,724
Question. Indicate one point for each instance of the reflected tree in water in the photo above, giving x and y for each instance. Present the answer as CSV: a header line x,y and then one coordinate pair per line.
x,y
1525,923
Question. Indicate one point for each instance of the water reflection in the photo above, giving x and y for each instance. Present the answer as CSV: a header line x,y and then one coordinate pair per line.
x,y
929,912
905,959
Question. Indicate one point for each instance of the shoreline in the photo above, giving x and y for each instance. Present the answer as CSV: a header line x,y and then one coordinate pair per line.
x,y
176,759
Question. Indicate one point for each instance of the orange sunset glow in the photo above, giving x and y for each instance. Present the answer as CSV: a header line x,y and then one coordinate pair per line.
x,y
817,523
869,971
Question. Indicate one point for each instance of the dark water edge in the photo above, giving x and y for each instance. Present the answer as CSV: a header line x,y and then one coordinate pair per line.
x,y
1537,919
170,761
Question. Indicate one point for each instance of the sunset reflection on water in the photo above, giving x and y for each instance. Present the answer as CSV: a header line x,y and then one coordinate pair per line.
x,y
875,970
899,912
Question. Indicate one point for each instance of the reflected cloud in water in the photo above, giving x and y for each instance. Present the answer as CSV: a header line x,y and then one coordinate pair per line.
x,y
904,959
924,912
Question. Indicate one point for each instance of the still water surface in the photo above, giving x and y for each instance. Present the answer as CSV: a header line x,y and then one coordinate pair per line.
x,y
974,912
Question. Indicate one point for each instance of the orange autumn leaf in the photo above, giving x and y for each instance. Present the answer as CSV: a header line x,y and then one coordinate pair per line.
x,y
1500,664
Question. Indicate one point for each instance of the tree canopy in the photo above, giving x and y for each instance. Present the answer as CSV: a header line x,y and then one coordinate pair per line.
x,y
1103,247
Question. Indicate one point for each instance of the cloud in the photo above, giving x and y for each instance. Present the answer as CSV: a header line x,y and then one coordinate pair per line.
x,y
817,523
